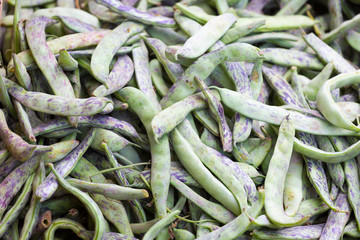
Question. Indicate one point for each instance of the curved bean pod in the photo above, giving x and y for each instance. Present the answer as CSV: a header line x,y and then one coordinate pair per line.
x,y
21,74
327,105
330,157
211,32
45,59
18,148
276,175
47,188
119,76
59,105
107,47
89,204
84,170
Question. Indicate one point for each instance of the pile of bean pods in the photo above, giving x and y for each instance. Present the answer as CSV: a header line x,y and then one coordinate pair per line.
x,y
191,119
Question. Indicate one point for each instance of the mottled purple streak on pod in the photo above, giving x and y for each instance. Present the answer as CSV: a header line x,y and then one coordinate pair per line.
x,y
301,232
336,221
136,15
118,77
98,121
47,188
18,148
59,105
165,11
11,185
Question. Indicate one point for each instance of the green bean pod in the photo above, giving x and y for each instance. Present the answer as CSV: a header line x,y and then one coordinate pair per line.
x,y
202,67
276,175
327,105
240,224
20,203
32,214
89,204
216,211
157,227
160,152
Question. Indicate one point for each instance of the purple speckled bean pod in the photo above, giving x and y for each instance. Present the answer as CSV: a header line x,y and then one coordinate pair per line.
x,y
314,168
236,71
327,54
169,118
136,15
59,105
11,185
204,66
142,73
288,57
107,48
67,42
47,188
165,11
174,70
351,175
10,164
336,221
45,59
119,76
217,110
301,232
75,24
18,148
99,121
